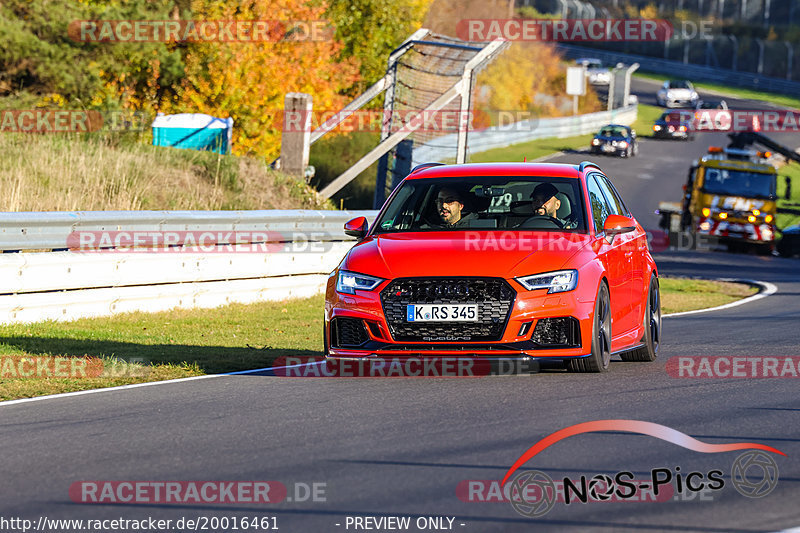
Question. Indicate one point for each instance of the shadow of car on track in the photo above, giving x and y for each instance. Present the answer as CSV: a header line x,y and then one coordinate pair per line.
x,y
209,359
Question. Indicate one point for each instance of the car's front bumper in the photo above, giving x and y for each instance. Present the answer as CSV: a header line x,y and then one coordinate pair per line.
x,y
680,102
614,150
666,134
529,307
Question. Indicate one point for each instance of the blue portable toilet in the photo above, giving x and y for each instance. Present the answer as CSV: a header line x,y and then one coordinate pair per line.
x,y
193,131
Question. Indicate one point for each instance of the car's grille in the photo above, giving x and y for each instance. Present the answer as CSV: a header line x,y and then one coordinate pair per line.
x,y
348,332
494,297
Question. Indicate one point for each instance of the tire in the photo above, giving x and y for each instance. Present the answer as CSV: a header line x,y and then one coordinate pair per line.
x,y
784,249
652,327
629,152
600,357
763,249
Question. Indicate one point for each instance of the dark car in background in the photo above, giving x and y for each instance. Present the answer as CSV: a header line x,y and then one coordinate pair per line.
x,y
711,104
789,245
674,125
615,139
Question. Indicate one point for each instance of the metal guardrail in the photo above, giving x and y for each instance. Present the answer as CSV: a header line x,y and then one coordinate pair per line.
x,y
442,147
682,70
65,285
51,230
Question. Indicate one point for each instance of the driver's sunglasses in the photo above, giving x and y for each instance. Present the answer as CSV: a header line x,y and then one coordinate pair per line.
x,y
448,200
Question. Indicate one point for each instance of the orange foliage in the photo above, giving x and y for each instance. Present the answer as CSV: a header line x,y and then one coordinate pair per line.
x,y
527,76
248,80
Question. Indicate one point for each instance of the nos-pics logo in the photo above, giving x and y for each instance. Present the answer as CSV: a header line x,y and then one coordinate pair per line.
x,y
533,493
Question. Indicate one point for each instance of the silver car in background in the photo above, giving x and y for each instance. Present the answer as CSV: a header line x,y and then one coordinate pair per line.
x,y
596,73
677,93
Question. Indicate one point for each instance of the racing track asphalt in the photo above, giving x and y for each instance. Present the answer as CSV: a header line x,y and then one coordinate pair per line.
x,y
400,447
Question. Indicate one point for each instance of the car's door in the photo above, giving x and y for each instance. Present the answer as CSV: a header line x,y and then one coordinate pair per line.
x,y
635,246
612,256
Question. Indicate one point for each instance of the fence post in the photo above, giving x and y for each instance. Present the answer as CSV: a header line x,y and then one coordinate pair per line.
x,y
760,44
296,136
402,161
789,59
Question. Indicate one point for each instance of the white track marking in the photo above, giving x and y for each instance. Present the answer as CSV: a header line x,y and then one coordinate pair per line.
x,y
138,385
766,290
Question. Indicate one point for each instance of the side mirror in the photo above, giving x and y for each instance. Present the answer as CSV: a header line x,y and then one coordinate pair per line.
x,y
615,224
356,228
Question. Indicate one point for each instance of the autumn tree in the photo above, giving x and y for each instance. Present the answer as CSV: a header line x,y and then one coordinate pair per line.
x,y
248,80
370,29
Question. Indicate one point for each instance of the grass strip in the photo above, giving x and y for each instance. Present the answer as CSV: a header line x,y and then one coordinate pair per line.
x,y
143,347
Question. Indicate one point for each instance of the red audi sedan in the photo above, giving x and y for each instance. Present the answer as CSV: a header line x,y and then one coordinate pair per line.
x,y
499,260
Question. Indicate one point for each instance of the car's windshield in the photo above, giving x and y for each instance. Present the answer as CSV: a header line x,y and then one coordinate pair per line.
x,y
679,84
485,203
613,132
739,183
672,116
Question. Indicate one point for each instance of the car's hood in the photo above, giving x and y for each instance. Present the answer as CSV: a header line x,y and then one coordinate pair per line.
x,y
680,93
464,253
611,138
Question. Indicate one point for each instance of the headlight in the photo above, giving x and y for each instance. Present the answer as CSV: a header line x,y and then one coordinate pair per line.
x,y
595,142
560,281
623,144
348,282
656,128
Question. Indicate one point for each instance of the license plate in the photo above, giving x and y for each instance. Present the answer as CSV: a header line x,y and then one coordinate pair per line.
x,y
442,313
608,148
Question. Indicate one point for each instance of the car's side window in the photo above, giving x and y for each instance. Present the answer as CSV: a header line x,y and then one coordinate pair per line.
x,y
600,208
614,200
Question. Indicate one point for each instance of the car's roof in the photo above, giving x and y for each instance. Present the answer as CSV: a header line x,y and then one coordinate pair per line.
x,y
555,170
623,126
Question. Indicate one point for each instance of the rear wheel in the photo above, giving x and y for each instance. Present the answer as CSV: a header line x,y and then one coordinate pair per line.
x,y
652,327
600,357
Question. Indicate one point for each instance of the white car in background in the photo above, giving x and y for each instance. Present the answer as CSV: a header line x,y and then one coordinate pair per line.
x,y
595,71
677,93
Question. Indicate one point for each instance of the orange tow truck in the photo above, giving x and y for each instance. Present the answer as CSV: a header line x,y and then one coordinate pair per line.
x,y
730,196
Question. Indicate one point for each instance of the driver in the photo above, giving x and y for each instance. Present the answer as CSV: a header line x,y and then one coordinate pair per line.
x,y
546,204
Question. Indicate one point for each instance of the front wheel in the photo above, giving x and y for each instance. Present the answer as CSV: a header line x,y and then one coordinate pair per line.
x,y
600,357
652,327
